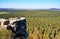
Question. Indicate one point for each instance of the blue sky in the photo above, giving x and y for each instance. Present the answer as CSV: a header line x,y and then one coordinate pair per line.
x,y
30,4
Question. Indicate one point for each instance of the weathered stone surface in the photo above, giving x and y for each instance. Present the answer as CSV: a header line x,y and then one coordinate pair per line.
x,y
17,26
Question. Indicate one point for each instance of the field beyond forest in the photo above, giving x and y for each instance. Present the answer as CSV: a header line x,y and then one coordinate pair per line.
x,y
41,24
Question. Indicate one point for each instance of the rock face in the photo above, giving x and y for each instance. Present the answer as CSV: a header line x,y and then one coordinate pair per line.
x,y
11,21
4,23
16,25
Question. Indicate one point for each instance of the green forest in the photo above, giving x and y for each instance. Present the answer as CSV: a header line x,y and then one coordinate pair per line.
x,y
41,24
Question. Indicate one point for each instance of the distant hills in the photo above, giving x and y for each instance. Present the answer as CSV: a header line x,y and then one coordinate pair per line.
x,y
54,9
11,9
6,9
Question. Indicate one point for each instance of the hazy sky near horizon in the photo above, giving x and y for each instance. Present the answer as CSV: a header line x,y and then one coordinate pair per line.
x,y
30,4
